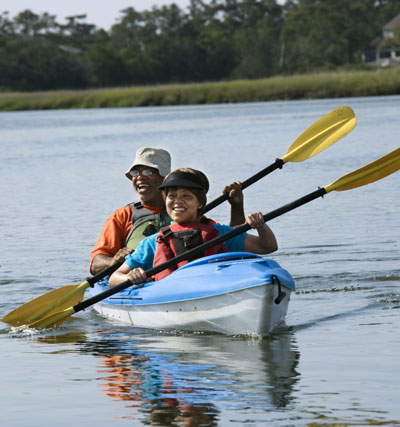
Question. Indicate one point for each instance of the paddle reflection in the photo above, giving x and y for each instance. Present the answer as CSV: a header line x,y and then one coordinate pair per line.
x,y
188,380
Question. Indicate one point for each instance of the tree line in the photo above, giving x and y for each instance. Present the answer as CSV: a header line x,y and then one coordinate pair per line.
x,y
209,41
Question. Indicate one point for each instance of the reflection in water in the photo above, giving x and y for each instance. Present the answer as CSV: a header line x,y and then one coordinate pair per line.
x,y
138,378
187,380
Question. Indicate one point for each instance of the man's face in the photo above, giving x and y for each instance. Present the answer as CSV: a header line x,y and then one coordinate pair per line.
x,y
146,185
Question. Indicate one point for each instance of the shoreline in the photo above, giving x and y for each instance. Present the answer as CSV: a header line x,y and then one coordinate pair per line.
x,y
278,88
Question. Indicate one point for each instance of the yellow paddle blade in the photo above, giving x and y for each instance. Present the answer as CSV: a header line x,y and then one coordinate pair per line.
x,y
372,172
322,134
55,300
54,319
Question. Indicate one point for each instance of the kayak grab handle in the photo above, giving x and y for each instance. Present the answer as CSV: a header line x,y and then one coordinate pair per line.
x,y
281,294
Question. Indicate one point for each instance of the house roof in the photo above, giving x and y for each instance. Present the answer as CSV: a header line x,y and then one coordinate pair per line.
x,y
376,42
392,23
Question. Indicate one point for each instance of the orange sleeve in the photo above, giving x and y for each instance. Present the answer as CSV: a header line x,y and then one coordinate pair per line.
x,y
114,233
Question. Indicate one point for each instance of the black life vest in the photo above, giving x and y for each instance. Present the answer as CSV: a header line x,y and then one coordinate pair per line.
x,y
144,223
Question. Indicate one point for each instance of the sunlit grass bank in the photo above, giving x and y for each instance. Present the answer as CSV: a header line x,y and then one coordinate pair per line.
x,y
311,86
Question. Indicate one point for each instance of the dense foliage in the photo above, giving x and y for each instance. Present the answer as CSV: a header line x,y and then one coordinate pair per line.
x,y
210,41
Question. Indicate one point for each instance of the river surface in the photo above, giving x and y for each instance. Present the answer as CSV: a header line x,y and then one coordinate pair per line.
x,y
335,362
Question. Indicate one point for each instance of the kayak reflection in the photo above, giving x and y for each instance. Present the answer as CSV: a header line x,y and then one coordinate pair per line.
x,y
192,379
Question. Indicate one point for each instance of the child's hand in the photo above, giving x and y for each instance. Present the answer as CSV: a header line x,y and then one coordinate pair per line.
x,y
255,220
137,276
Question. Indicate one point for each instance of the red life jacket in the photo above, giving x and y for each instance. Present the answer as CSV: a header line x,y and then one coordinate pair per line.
x,y
175,239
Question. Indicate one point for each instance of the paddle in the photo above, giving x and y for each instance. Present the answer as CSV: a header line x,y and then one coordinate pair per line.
x,y
363,176
55,300
320,135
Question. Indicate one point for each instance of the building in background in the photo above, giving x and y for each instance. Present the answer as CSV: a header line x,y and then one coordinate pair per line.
x,y
385,49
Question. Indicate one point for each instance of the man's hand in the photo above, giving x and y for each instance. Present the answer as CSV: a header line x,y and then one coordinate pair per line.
x,y
235,198
121,254
235,194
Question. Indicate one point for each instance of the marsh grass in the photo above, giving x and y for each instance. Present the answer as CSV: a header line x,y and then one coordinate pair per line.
x,y
311,86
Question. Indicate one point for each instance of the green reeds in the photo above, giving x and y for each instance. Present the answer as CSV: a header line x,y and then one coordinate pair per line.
x,y
310,86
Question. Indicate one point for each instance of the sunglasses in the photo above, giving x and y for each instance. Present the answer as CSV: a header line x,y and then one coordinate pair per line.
x,y
134,173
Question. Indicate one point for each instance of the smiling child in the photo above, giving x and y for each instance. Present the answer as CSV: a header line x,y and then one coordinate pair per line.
x,y
184,191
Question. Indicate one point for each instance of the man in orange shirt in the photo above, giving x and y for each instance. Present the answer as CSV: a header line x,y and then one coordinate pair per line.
x,y
127,226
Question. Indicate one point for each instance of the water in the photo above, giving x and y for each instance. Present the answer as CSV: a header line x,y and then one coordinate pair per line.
x,y
336,360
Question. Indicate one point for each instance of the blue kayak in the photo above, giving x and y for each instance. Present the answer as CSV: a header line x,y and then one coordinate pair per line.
x,y
231,293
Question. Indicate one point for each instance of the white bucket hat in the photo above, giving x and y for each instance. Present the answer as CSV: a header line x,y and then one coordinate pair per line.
x,y
153,157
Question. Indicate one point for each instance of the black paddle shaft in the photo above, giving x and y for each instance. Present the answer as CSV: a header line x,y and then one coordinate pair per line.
x,y
276,165
103,273
189,254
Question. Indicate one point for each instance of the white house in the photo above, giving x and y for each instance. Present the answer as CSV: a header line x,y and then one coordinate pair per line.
x,y
378,52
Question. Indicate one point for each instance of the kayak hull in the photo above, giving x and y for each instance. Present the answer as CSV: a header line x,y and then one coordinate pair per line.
x,y
232,294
